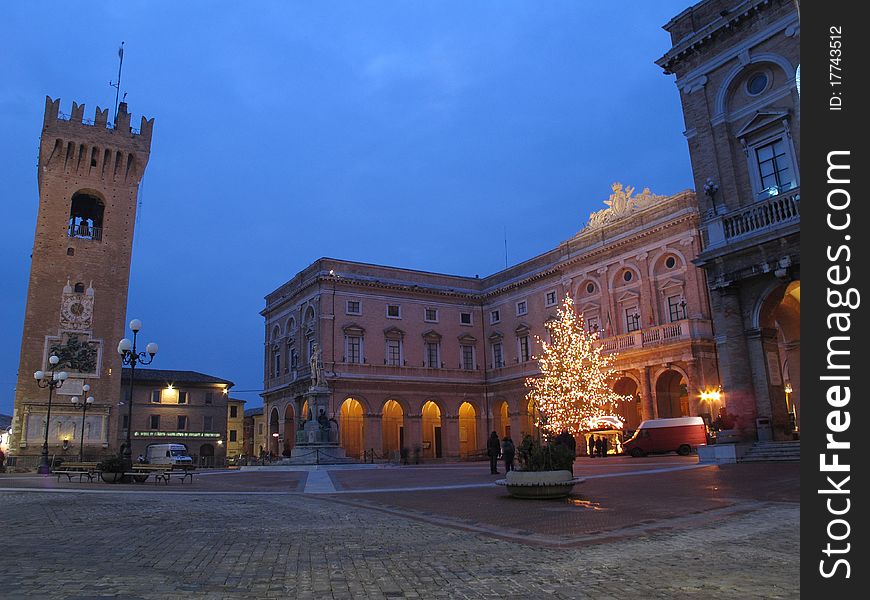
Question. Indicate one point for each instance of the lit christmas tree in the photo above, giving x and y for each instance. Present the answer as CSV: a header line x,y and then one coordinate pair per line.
x,y
572,391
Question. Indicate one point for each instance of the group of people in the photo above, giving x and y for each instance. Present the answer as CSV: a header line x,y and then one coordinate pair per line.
x,y
504,448
598,446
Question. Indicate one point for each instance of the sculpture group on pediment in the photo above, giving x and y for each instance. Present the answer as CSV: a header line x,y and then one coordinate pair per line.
x,y
622,202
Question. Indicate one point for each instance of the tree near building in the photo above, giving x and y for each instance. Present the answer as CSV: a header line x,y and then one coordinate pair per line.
x,y
572,390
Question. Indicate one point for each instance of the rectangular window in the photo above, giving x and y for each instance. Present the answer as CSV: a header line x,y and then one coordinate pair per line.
x,y
154,423
494,316
234,411
233,435
182,423
431,315
353,349
432,359
465,318
592,323
182,397
524,348
260,429
774,167
468,358
354,307
394,353
632,319
522,308
550,299
209,397
676,308
497,356
277,370
207,423
394,311
155,396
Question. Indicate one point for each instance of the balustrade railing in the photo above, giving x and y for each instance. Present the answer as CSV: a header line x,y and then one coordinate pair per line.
x,y
763,215
85,232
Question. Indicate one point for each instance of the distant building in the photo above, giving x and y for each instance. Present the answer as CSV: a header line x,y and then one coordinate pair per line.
x,y
180,407
735,65
418,359
235,428
255,432
89,173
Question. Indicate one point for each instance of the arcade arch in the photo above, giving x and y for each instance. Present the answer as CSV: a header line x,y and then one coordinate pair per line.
x,y
392,427
431,430
350,427
467,430
672,395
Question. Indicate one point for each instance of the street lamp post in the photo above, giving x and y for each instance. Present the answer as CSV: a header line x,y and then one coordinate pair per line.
x,y
131,356
51,380
82,405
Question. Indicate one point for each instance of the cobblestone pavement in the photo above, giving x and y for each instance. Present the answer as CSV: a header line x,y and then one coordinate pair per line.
x,y
136,544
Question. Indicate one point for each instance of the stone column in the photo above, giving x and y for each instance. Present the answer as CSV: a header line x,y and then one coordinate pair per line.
x,y
648,406
734,362
648,296
767,380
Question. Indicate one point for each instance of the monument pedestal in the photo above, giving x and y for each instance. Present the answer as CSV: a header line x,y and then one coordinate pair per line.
x,y
317,440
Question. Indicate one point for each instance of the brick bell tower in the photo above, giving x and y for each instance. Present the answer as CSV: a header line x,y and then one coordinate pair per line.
x,y
89,174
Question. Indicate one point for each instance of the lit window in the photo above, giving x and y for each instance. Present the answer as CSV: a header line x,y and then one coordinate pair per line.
x,y
774,167
522,308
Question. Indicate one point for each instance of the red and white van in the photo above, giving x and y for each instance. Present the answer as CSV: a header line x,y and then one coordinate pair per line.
x,y
681,435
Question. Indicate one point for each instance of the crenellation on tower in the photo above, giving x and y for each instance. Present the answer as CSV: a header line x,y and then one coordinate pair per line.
x,y
75,125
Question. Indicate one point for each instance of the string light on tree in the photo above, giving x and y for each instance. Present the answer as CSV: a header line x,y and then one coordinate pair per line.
x,y
572,390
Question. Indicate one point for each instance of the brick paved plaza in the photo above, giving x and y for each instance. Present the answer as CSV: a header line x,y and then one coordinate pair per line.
x,y
660,527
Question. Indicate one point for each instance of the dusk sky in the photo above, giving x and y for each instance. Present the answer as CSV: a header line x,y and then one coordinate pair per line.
x,y
412,134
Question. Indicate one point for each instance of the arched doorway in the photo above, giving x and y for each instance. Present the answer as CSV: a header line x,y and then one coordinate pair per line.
x,y
289,430
304,414
206,455
274,432
630,410
467,430
432,446
393,428
502,424
672,395
531,418
350,427
779,322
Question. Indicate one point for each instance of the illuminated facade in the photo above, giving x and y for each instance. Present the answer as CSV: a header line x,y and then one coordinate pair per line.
x,y
435,362
736,67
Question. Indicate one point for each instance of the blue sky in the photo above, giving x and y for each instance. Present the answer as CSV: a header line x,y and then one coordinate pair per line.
x,y
414,134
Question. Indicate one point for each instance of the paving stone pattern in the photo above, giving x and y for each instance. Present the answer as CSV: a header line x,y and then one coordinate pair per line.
x,y
132,546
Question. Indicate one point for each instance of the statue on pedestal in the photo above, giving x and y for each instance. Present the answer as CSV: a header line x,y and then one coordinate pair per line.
x,y
316,364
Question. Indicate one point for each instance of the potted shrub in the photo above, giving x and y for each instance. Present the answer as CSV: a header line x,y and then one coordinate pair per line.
x,y
545,471
111,469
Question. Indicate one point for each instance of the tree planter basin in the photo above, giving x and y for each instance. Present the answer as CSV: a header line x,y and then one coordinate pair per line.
x,y
110,477
539,484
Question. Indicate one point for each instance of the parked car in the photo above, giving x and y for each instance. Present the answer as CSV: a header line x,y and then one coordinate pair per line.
x,y
681,435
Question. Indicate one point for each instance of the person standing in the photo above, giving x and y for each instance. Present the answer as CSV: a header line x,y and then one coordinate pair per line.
x,y
604,445
507,453
598,445
591,446
493,448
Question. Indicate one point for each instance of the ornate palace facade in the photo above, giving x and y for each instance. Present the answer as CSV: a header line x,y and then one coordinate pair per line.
x,y
418,359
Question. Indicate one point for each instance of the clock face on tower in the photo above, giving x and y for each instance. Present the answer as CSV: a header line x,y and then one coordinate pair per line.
x,y
76,311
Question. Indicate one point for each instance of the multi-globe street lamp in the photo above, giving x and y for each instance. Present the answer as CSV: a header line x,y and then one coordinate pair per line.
x,y
82,405
131,356
53,379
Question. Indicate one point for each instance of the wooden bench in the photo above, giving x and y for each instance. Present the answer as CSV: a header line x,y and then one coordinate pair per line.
x,y
179,473
82,469
141,472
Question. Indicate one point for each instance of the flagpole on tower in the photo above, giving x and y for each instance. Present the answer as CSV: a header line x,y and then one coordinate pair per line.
x,y
117,85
